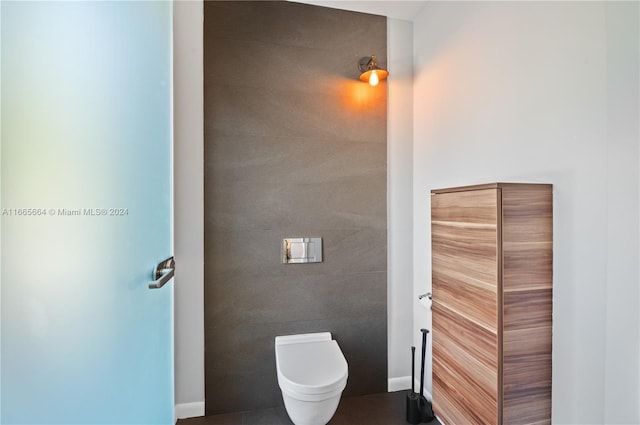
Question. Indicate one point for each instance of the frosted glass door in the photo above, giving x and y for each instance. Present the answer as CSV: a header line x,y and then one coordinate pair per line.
x,y
85,212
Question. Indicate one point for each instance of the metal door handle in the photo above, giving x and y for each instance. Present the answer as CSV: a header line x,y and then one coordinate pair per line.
x,y
162,273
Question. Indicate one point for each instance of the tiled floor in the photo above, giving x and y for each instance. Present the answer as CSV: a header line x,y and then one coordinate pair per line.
x,y
374,409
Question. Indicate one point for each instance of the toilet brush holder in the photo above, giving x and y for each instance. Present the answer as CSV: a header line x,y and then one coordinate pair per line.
x,y
414,414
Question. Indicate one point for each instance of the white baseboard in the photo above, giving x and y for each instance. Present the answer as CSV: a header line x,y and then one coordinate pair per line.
x,y
398,384
428,395
404,383
189,410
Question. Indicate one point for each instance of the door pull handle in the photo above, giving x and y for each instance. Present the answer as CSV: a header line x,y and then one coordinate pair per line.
x,y
163,273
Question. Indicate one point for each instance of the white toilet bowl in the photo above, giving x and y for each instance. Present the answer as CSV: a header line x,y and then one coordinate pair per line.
x,y
312,373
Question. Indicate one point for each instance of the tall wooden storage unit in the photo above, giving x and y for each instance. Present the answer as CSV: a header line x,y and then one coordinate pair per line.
x,y
492,303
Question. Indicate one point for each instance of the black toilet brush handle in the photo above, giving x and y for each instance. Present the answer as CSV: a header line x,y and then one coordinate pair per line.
x,y
424,352
413,370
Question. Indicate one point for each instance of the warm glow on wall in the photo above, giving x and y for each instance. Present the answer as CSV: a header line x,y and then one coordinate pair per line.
x,y
357,97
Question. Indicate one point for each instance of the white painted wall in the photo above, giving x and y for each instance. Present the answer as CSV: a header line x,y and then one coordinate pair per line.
x,y
623,135
399,199
189,208
545,92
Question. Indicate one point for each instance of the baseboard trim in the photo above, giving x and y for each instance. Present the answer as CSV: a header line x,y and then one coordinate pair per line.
x,y
404,383
189,410
398,384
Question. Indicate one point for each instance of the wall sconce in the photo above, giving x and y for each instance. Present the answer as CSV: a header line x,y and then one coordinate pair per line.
x,y
370,72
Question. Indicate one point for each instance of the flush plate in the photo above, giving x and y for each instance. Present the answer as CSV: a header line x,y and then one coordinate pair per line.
x,y
301,250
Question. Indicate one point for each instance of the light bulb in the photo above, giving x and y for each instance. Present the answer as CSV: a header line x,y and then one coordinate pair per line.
x,y
373,79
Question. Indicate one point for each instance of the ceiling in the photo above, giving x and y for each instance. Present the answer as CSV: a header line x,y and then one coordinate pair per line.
x,y
405,10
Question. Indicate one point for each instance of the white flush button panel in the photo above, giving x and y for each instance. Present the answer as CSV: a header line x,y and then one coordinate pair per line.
x,y
302,250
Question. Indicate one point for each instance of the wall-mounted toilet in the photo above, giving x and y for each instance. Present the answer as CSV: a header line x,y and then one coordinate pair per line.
x,y
312,372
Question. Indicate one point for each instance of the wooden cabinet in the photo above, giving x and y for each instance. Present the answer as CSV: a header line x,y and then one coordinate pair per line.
x,y
492,303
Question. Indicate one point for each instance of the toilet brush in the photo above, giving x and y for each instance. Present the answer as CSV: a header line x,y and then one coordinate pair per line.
x,y
426,410
414,415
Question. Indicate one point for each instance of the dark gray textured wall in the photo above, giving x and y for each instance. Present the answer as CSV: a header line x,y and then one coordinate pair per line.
x,y
294,146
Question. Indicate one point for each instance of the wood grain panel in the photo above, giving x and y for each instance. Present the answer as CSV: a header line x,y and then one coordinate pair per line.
x,y
464,267
527,376
454,404
464,387
527,266
471,252
478,341
445,406
472,302
464,254
476,383
523,351
527,259
478,206
527,236
527,309
535,409
465,293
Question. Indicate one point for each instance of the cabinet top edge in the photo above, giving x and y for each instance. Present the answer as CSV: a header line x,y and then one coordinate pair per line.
x,y
497,185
